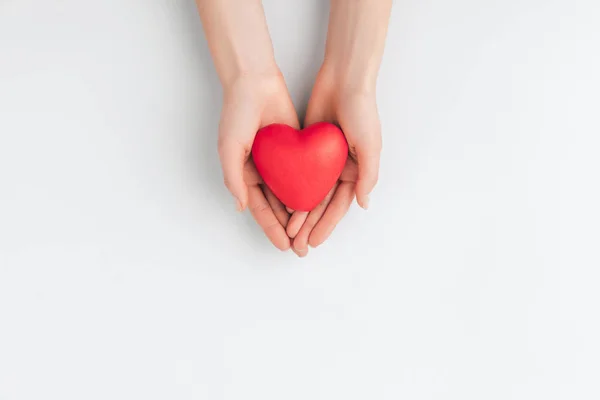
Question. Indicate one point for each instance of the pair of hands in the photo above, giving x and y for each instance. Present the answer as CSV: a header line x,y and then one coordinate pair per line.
x,y
252,102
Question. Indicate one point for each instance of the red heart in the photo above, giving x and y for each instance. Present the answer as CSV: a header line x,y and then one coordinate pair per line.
x,y
300,166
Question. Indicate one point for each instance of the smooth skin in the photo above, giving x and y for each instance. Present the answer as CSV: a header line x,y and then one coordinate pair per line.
x,y
256,95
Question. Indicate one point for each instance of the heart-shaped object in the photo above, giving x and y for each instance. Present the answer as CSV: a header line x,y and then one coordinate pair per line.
x,y
300,166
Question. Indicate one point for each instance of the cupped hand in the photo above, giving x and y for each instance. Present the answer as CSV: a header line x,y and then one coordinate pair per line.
x,y
354,110
250,103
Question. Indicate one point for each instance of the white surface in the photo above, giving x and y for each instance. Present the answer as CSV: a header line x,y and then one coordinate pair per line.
x,y
127,274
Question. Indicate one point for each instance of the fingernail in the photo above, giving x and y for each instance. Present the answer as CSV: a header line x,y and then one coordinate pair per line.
x,y
239,205
302,252
366,202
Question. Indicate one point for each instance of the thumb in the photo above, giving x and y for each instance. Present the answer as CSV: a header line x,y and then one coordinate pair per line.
x,y
367,157
233,156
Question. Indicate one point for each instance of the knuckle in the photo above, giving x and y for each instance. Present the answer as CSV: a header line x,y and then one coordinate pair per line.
x,y
271,226
310,224
259,207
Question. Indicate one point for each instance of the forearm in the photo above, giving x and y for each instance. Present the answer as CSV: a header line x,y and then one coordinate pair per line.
x,y
356,40
238,38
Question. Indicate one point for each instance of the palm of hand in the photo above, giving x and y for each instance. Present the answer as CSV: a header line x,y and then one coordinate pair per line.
x,y
249,105
356,114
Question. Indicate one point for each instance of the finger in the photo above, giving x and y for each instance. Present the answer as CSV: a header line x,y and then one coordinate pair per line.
x,y
319,107
296,221
278,208
368,172
251,175
265,217
233,156
300,253
280,110
350,171
301,240
337,208
289,210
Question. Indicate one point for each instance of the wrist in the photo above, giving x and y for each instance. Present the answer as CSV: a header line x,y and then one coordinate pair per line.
x,y
253,84
241,74
239,61
346,80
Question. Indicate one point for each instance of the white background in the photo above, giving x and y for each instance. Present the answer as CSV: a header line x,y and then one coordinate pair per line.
x,y
125,272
